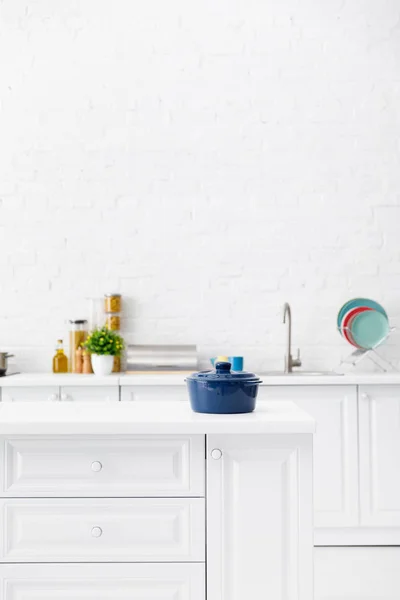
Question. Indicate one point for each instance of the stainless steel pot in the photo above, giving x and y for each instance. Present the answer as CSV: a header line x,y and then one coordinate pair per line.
x,y
4,356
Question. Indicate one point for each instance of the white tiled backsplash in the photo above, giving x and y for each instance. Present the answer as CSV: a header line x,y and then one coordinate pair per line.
x,y
209,160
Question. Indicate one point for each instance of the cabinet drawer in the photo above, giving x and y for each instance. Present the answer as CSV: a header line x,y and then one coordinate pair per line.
x,y
102,582
135,530
169,465
92,393
133,393
30,394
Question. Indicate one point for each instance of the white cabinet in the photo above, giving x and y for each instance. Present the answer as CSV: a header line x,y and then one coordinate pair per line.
x,y
86,393
89,393
335,448
148,393
357,573
86,516
109,530
75,466
259,517
102,582
30,394
379,409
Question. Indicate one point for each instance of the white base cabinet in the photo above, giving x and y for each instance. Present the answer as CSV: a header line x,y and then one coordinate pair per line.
x,y
138,505
30,394
379,409
70,393
335,449
153,393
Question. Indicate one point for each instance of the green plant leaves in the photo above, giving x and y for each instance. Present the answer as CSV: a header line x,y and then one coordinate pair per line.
x,y
104,341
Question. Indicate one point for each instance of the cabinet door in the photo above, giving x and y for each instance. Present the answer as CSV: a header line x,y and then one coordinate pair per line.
x,y
379,410
102,582
259,517
92,393
335,449
30,394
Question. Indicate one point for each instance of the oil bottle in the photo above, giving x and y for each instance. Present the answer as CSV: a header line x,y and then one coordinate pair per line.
x,y
60,360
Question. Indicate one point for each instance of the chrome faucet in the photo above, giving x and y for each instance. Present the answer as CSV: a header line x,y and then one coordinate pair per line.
x,y
290,362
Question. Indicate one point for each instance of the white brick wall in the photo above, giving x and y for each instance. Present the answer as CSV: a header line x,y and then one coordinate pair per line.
x,y
209,159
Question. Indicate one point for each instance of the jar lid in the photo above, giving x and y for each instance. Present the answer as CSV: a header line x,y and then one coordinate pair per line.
x,y
112,295
78,321
223,373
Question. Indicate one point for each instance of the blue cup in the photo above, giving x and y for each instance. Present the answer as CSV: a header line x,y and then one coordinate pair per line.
x,y
236,362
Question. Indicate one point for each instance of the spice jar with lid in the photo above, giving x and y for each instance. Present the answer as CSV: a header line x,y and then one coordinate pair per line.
x,y
77,335
112,303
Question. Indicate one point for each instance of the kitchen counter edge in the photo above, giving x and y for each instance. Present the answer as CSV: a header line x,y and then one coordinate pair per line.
x,y
121,379
165,417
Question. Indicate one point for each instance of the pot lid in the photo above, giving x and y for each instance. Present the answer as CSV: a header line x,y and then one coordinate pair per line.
x,y
223,373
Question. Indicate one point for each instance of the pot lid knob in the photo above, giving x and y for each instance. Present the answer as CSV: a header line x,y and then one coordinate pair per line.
x,y
223,367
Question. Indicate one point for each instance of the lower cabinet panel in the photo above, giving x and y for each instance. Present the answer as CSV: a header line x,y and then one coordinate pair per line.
x,y
89,393
357,573
114,530
150,393
259,517
102,582
37,393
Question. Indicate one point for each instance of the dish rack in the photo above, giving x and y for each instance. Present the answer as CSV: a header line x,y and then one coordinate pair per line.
x,y
359,354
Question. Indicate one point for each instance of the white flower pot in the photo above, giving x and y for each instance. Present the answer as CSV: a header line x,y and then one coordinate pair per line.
x,y
102,364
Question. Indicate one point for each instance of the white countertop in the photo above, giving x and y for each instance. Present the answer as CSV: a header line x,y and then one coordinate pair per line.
x,y
71,379
128,418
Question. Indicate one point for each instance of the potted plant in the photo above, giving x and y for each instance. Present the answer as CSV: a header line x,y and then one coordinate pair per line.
x,y
103,344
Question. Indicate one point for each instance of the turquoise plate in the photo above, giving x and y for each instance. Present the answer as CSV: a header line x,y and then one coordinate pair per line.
x,y
369,328
355,303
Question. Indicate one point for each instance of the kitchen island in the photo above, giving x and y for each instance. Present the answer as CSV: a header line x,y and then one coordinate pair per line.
x,y
179,505
356,459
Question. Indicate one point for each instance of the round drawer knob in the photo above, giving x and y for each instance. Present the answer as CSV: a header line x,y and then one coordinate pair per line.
x,y
216,453
96,466
97,532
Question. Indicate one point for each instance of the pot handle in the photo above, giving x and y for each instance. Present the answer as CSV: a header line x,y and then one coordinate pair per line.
x,y
223,367
8,355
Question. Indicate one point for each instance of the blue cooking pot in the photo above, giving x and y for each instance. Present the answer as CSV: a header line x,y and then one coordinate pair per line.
x,y
223,391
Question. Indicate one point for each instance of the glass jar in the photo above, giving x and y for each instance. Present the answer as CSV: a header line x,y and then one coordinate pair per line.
x,y
78,332
113,321
96,313
112,303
